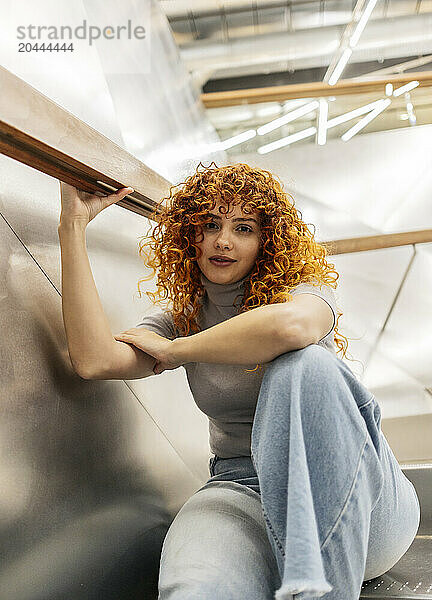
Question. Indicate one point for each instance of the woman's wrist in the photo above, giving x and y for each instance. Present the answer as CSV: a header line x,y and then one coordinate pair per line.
x,y
71,225
179,350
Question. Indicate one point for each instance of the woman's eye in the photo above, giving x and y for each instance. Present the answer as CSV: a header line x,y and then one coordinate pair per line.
x,y
247,229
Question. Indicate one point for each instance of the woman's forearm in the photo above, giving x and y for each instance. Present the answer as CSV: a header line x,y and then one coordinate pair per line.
x,y
256,336
87,328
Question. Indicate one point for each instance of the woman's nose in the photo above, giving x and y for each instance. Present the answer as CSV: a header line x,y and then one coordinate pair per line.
x,y
223,240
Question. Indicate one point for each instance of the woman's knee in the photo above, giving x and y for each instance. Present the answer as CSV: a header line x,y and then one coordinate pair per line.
x,y
310,362
308,376
314,354
197,562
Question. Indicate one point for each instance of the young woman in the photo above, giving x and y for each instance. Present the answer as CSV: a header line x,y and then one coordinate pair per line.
x,y
297,436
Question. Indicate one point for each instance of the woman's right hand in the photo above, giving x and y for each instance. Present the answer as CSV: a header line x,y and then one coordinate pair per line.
x,y
77,205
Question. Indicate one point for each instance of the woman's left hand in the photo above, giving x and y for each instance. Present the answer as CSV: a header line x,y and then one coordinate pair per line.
x,y
154,344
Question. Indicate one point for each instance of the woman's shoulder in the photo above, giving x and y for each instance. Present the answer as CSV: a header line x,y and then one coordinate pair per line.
x,y
160,320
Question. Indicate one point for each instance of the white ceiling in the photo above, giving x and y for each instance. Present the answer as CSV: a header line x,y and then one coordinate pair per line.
x,y
240,37
242,44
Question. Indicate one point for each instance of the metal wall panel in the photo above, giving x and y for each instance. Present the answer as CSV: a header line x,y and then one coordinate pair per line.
x,y
86,470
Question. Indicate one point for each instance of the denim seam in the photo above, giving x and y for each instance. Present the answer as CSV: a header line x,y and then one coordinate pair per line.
x,y
275,537
266,518
344,507
338,518
366,403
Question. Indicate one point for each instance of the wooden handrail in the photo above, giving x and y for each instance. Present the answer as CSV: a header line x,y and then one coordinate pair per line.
x,y
377,242
38,132
280,93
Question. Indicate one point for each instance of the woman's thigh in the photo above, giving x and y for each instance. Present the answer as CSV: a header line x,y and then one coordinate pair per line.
x,y
217,547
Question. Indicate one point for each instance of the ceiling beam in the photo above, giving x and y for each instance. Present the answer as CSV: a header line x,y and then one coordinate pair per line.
x,y
280,93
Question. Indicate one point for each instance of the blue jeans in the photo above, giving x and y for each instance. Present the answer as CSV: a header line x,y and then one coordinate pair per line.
x,y
320,506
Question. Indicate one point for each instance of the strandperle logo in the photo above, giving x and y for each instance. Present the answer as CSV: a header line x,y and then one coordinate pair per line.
x,y
81,32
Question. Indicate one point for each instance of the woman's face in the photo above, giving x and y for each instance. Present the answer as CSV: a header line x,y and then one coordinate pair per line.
x,y
236,235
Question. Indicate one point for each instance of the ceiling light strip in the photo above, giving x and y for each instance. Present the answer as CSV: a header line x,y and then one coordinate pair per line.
x,y
288,118
366,120
290,139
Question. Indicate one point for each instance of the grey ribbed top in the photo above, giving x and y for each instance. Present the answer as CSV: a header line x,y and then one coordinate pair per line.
x,y
226,393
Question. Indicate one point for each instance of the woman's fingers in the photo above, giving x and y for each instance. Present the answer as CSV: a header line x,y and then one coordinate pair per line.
x,y
131,331
124,334
121,193
116,196
79,204
70,191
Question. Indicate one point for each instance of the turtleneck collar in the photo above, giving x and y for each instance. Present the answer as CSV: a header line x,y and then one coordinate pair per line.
x,y
224,294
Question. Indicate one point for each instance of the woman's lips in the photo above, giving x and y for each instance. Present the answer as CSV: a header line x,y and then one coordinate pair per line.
x,y
220,263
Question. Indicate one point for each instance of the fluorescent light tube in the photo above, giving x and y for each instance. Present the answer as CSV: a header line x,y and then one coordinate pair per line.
x,y
362,23
322,122
290,139
406,88
237,139
340,66
367,119
291,116
352,114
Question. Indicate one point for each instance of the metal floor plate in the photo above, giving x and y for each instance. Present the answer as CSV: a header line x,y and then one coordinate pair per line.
x,y
411,576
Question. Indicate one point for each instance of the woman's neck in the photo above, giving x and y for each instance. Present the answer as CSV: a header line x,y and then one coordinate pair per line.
x,y
224,294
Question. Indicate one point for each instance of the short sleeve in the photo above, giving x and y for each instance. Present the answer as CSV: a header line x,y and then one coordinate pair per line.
x,y
160,321
326,292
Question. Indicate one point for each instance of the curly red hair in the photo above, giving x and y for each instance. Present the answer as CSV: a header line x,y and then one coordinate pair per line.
x,y
288,255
